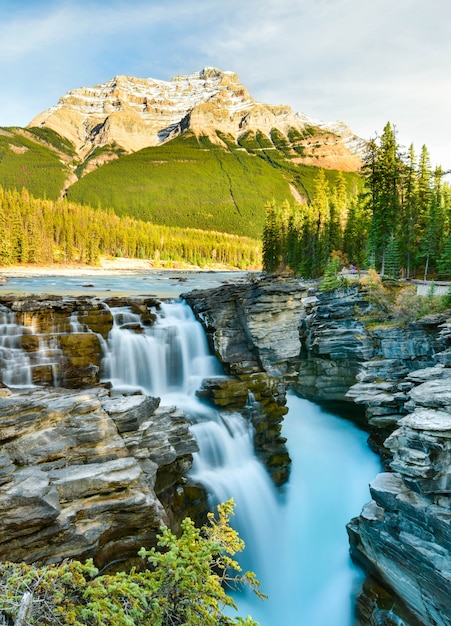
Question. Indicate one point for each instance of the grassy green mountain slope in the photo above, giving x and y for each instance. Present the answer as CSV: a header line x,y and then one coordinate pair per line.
x,y
190,181
36,160
187,182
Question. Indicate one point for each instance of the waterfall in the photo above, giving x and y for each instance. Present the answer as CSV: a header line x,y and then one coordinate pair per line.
x,y
14,361
170,359
17,364
296,541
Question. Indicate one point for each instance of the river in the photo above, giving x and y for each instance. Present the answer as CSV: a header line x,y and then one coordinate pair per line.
x,y
307,572
296,539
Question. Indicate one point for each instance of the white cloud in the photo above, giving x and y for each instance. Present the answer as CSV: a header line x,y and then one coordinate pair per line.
x,y
364,62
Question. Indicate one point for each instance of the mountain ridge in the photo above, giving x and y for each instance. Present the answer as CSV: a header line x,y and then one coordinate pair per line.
x,y
197,151
136,113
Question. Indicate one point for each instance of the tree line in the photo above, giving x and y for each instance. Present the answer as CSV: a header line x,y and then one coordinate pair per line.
x,y
45,231
398,222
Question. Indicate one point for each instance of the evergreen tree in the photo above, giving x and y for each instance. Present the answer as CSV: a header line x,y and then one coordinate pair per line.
x,y
409,232
444,262
272,238
341,199
392,258
433,225
331,279
382,171
355,236
321,211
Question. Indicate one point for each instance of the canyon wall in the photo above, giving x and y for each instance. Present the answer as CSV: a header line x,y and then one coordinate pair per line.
x,y
87,471
400,379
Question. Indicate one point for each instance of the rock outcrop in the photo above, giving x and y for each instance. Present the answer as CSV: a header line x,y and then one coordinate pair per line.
x,y
81,473
403,536
320,344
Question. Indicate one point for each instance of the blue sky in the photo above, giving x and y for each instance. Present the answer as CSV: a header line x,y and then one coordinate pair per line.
x,y
364,62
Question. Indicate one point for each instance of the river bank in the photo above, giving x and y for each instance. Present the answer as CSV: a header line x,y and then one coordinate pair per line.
x,y
106,266
115,277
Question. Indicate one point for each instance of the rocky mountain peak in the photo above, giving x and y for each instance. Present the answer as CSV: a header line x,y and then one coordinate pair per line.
x,y
136,113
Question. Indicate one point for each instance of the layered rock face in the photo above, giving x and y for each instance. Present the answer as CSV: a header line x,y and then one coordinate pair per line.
x,y
403,536
136,113
84,471
79,473
319,343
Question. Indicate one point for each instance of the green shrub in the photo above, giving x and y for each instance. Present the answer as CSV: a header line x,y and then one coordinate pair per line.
x,y
184,584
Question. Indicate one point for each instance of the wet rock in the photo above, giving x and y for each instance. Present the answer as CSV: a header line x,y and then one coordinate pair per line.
x,y
224,392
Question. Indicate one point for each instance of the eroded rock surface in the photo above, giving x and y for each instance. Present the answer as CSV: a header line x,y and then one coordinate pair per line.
x,y
79,473
403,536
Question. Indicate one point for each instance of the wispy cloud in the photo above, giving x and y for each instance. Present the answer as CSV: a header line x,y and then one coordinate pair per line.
x,y
362,62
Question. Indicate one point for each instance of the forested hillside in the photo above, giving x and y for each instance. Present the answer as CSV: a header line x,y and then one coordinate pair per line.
x,y
46,231
399,222
186,182
37,160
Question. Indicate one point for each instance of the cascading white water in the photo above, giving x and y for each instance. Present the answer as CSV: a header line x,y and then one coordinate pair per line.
x,y
170,359
296,541
14,362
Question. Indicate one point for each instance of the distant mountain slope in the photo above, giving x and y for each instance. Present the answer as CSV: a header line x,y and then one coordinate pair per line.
x,y
188,182
38,161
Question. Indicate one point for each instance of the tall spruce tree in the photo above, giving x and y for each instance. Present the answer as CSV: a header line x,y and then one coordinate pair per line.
x,y
409,232
392,258
382,171
430,243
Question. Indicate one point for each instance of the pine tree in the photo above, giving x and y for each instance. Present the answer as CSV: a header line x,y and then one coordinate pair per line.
x,y
392,258
433,224
409,232
383,175
444,262
331,279
321,211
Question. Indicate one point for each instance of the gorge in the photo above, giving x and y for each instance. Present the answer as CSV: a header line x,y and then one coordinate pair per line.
x,y
93,459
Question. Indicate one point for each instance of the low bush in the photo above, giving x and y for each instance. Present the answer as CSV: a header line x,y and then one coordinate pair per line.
x,y
183,584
